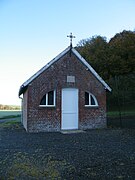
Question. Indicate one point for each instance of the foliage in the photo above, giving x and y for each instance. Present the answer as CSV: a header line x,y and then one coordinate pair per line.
x,y
122,53
113,58
123,95
95,51
115,63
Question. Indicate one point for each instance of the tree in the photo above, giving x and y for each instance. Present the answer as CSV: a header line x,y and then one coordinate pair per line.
x,y
122,53
115,63
95,51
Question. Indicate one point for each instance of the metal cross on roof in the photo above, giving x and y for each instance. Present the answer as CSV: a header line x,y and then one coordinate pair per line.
x,y
71,37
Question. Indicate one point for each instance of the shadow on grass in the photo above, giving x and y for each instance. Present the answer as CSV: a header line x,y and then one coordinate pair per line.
x,y
123,122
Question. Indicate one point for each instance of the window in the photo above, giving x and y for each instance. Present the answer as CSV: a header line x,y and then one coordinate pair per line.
x,y
90,100
48,99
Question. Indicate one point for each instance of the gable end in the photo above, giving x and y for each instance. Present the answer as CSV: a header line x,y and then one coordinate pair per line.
x,y
26,83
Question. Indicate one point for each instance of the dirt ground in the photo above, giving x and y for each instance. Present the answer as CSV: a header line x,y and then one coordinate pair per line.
x,y
92,154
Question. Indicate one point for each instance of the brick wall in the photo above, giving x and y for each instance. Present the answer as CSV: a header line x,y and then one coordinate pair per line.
x,y
55,78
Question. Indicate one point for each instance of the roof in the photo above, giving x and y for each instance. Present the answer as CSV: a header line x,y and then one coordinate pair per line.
x,y
26,83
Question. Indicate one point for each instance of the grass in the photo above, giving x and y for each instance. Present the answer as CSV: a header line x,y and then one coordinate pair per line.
x,y
26,166
15,123
9,114
123,113
125,119
13,119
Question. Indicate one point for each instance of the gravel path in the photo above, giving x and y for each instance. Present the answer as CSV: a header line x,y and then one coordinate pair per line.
x,y
95,154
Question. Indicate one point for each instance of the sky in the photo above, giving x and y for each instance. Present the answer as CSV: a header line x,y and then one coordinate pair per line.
x,y
33,32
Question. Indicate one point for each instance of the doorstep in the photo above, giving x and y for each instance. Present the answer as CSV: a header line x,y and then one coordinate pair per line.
x,y
72,131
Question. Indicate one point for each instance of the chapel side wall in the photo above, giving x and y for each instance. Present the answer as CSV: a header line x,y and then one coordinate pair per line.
x,y
25,109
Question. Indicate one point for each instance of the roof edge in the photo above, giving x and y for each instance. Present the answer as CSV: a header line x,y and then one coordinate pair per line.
x,y
23,87
91,69
26,83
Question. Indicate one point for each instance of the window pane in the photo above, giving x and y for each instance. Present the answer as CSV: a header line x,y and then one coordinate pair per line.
x,y
86,98
50,98
92,101
43,100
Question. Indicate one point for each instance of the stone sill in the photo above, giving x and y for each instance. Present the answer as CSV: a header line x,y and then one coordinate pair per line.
x,y
87,106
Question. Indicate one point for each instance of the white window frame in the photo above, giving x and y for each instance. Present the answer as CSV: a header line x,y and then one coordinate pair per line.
x,y
54,100
96,102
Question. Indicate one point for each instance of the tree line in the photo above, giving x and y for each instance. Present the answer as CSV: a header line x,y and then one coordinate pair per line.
x,y
9,107
114,60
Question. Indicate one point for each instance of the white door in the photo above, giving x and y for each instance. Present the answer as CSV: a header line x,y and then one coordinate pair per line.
x,y
69,108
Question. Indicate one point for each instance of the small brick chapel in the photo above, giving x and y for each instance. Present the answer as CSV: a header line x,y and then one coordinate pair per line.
x,y
66,94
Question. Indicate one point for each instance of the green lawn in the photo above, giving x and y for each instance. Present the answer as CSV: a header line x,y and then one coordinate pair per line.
x,y
9,114
123,113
